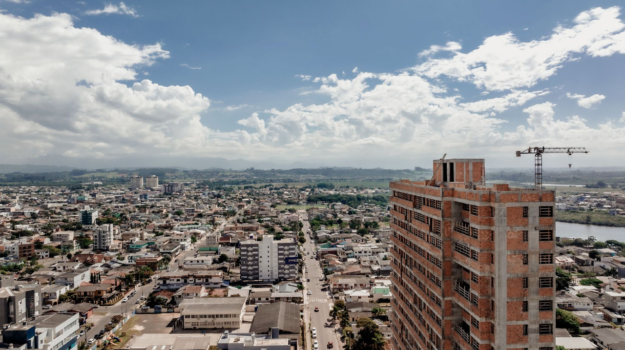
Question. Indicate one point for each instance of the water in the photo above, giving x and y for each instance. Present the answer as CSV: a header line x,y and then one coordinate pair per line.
x,y
601,233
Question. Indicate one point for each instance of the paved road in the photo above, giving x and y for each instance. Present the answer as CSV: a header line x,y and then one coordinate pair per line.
x,y
117,309
318,298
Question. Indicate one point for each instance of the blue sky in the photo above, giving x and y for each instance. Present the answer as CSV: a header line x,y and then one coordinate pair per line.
x,y
247,56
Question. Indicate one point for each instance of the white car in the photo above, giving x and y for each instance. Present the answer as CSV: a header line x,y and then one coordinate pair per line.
x,y
124,300
309,292
91,341
314,332
316,345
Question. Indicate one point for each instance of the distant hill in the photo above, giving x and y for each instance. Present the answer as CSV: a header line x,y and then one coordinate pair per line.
x,y
29,168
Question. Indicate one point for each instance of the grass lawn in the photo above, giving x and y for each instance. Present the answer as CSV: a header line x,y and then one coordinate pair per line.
x,y
128,330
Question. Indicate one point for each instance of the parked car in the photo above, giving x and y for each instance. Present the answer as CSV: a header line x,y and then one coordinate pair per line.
x,y
314,333
309,292
315,345
46,307
91,341
330,345
125,300
316,308
82,332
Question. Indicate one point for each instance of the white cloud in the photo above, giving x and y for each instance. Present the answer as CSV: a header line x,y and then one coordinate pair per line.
x,y
622,120
234,108
303,77
18,1
450,46
190,67
355,70
96,107
586,102
109,9
503,62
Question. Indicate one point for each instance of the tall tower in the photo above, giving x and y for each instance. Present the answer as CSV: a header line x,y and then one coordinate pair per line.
x,y
136,182
473,266
151,182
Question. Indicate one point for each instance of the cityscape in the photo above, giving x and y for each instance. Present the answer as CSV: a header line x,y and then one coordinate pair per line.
x,y
312,175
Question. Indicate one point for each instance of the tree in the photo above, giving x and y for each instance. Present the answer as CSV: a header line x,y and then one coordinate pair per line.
x,y
223,258
600,245
369,336
38,244
563,279
613,272
178,212
344,317
591,240
566,319
593,254
591,282
378,312
335,312
302,240
69,256
193,239
340,304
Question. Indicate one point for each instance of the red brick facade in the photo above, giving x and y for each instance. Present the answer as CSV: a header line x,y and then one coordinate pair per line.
x,y
472,265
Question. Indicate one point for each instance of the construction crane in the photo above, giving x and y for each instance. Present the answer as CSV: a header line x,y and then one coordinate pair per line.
x,y
438,166
538,159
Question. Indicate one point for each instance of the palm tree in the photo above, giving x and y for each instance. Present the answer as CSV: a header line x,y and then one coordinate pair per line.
x,y
334,313
344,318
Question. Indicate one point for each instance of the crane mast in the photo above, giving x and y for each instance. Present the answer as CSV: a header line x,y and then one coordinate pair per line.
x,y
538,159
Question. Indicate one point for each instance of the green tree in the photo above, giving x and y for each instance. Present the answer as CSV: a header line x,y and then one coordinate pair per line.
x,y
566,319
591,240
178,212
593,254
600,245
335,312
302,240
563,279
378,312
223,258
591,282
369,336
344,318
193,239
340,304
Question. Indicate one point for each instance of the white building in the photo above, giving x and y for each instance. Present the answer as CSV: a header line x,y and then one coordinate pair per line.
x,y
199,261
269,260
103,237
151,182
203,313
57,330
136,182
63,236
615,301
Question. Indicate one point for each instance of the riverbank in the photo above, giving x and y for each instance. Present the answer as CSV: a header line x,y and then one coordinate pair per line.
x,y
590,218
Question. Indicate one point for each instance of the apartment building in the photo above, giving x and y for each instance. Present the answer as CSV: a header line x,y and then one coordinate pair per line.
x,y
472,266
103,237
88,217
26,250
136,182
269,260
19,302
151,182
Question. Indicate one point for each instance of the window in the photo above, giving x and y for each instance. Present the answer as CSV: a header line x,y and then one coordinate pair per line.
x,y
545,328
474,277
525,259
465,207
474,232
475,322
545,212
546,259
546,235
474,210
525,234
525,212
545,305
525,282
524,307
545,282
524,329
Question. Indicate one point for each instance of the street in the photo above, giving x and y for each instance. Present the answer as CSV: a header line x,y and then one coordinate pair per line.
x,y
318,298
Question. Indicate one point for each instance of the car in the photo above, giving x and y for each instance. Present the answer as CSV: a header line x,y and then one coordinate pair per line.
x,y
316,308
91,341
125,300
309,292
330,345
308,280
315,345
321,278
46,307
314,334
82,332
138,301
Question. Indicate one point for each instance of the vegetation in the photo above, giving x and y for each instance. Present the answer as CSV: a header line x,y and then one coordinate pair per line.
x,y
600,218
563,279
566,319
591,282
352,201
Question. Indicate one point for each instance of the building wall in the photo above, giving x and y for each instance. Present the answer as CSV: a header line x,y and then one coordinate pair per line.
x,y
466,263
265,260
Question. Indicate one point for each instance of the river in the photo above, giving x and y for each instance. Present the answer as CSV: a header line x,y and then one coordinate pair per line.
x,y
601,233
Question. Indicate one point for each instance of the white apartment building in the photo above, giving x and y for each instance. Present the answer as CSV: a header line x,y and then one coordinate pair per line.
x,y
269,260
57,331
103,237
63,236
136,182
151,182
615,301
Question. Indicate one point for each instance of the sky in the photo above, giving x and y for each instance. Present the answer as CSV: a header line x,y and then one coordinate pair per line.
x,y
283,84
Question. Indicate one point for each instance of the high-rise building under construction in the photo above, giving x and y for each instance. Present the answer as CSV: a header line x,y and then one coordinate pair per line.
x,y
473,266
